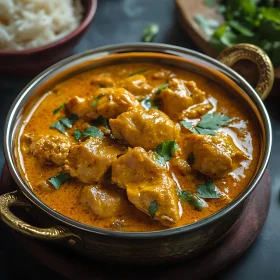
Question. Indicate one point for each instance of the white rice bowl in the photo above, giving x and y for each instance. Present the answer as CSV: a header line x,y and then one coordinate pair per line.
x,y
27,24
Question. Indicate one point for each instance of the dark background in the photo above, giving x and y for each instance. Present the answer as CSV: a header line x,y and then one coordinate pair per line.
x,y
121,21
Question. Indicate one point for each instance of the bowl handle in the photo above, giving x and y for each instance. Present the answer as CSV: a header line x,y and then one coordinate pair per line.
x,y
253,53
55,233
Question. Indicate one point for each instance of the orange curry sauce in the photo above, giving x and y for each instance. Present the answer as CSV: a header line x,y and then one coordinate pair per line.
x,y
66,200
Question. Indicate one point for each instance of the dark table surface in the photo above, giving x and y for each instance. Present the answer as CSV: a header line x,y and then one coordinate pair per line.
x,y
121,21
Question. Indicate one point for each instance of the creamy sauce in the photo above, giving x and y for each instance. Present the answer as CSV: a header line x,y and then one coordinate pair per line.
x,y
242,129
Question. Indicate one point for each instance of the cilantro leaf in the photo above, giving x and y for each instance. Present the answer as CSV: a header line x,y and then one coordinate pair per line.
x,y
60,127
148,103
271,13
167,149
159,159
153,208
150,32
191,158
213,121
77,134
92,131
160,88
55,111
248,21
59,179
205,131
68,122
102,121
186,124
208,125
96,100
207,190
208,26
241,27
195,201
138,72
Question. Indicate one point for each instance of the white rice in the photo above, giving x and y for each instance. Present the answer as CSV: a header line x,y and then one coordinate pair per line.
x,y
26,24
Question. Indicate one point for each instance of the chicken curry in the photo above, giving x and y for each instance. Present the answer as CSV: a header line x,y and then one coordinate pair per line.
x,y
138,147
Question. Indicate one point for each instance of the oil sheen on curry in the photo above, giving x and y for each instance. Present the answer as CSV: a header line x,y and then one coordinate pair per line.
x,y
138,147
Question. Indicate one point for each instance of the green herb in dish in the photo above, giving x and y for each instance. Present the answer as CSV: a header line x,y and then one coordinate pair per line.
x,y
207,190
96,100
167,149
92,131
55,111
77,134
195,201
68,122
59,179
160,88
153,208
59,126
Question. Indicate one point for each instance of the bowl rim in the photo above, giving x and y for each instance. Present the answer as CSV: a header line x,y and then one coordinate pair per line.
x,y
88,17
134,47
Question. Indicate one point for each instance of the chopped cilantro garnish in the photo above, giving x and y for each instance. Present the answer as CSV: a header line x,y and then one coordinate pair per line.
x,y
186,124
59,179
55,111
59,126
160,88
189,126
199,130
207,190
208,125
213,121
68,122
148,103
102,121
167,149
150,32
92,131
96,100
153,208
195,201
77,134
159,159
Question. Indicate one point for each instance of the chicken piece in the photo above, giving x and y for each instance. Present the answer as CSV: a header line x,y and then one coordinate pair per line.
x,y
109,103
145,128
179,96
197,111
104,202
102,80
215,156
49,149
136,84
145,182
78,106
91,159
180,164
163,74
